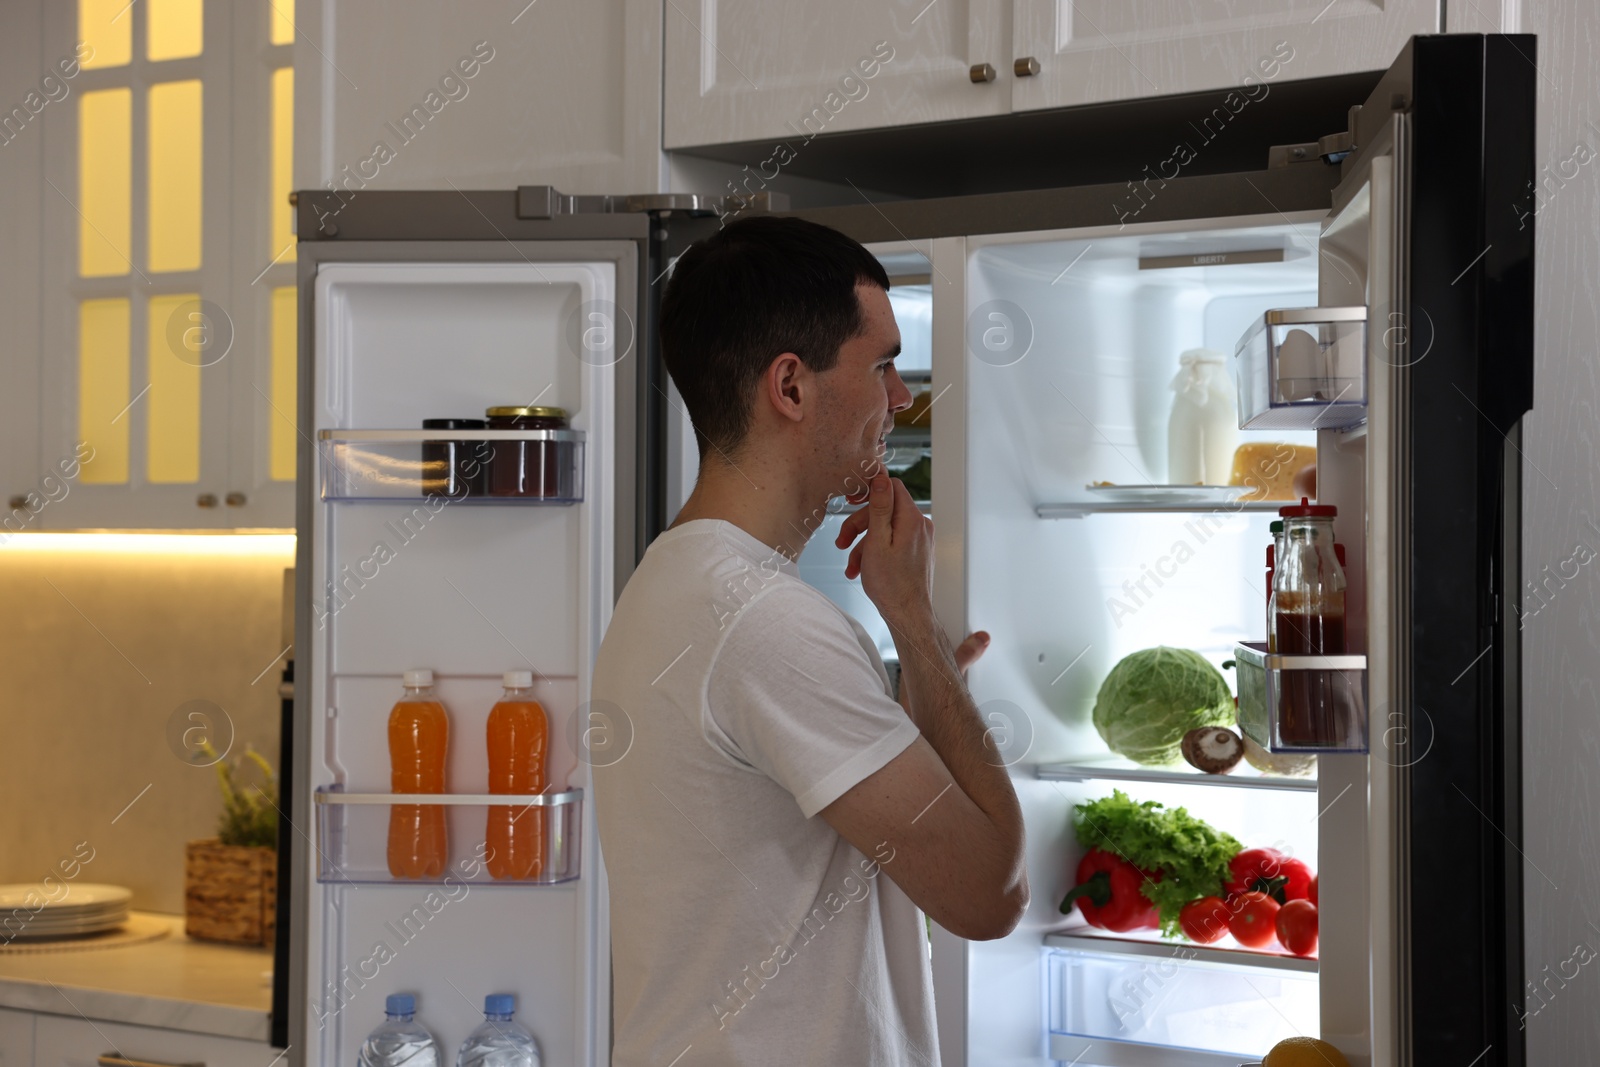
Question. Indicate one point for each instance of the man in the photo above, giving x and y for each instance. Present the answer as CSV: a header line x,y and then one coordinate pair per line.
x,y
779,819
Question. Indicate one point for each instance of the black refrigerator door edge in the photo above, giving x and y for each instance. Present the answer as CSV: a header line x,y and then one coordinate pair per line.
x,y
1471,278
671,233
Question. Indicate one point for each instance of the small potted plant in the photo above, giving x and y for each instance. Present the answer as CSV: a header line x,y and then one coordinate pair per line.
x,y
230,884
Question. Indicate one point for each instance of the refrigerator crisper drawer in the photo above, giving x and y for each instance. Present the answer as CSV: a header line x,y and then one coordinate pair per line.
x,y
1304,369
1334,688
353,834
453,466
1176,997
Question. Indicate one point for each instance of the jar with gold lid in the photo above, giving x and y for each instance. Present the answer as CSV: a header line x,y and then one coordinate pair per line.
x,y
531,467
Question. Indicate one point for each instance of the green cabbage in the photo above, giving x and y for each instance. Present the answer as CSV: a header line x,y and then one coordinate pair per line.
x,y
1152,698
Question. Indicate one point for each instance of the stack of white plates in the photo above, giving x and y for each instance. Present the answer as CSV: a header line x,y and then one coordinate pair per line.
x,y
64,909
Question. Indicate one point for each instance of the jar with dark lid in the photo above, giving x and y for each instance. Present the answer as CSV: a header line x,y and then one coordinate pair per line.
x,y
526,468
454,468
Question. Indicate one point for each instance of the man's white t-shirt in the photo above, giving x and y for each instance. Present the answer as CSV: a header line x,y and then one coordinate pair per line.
x,y
744,929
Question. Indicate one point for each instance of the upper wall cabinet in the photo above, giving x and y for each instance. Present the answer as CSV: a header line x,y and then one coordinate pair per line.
x,y
744,70
481,95
748,70
1092,51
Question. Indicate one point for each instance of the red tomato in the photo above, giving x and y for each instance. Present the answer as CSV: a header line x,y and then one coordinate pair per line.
x,y
1312,896
1204,920
1254,919
1297,927
1266,870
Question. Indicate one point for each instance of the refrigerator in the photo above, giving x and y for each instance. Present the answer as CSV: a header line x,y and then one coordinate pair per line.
x,y
1044,328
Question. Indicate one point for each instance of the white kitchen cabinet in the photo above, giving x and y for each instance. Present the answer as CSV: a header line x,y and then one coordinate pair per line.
x,y
16,1038
21,493
562,94
61,1041
744,70
151,249
1094,51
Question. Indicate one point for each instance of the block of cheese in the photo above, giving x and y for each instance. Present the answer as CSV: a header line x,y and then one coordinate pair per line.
x,y
1268,468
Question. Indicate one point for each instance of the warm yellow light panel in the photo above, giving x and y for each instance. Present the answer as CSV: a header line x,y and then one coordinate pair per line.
x,y
175,28
175,175
282,439
105,176
103,390
106,26
282,21
173,412
282,163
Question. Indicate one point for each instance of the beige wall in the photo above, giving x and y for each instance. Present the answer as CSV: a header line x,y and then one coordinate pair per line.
x,y
101,645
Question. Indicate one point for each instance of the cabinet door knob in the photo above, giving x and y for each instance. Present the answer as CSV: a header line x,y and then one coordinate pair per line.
x,y
206,500
17,503
236,499
1026,67
980,73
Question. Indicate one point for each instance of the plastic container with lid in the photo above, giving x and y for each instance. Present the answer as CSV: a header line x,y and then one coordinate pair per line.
x,y
419,737
518,739
455,468
534,467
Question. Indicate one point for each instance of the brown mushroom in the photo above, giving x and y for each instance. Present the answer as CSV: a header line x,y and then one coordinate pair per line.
x,y
1213,749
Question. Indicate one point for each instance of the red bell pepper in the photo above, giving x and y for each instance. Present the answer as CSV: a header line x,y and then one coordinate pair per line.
x,y
1266,870
1109,893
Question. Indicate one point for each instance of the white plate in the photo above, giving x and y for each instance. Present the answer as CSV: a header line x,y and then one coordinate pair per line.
x,y
79,897
1175,494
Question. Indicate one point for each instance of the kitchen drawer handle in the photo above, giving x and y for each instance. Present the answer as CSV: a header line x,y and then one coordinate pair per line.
x,y
114,1059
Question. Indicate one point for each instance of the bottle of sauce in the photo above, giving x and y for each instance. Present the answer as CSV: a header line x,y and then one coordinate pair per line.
x,y
419,736
1308,620
1274,550
518,737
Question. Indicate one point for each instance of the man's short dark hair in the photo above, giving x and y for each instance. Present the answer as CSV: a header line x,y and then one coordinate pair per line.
x,y
737,300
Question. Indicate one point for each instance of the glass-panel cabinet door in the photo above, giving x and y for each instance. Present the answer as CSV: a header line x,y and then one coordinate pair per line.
x,y
262,405
137,347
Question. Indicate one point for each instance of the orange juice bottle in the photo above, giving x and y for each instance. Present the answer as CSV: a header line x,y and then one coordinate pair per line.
x,y
518,735
419,734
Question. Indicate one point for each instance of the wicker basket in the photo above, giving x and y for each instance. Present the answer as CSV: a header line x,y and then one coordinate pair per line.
x,y
230,892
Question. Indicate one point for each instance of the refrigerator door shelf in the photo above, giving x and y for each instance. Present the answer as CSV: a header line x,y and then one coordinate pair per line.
x,y
353,833
1151,946
1304,369
453,467
1265,678
1179,1000
1116,769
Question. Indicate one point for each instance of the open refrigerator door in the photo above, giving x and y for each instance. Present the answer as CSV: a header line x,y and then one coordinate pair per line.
x,y
1361,332
424,549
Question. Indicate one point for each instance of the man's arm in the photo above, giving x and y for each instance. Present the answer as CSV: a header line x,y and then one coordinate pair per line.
x,y
945,805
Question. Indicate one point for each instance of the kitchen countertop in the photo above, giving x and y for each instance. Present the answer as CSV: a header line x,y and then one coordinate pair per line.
x,y
175,983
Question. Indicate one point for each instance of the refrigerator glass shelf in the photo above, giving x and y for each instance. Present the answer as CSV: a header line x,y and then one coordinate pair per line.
x,y
1180,998
353,836
1116,769
1181,502
1302,703
1150,945
1303,369
436,468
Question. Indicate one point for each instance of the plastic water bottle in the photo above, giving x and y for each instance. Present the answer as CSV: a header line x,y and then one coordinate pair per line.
x,y
499,1042
401,1041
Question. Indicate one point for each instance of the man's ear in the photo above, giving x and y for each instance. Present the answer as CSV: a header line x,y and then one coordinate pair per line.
x,y
790,386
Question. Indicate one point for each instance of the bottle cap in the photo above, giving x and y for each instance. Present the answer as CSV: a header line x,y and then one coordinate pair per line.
x,y
417,678
453,424
499,1004
517,679
1306,509
1275,526
400,1004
